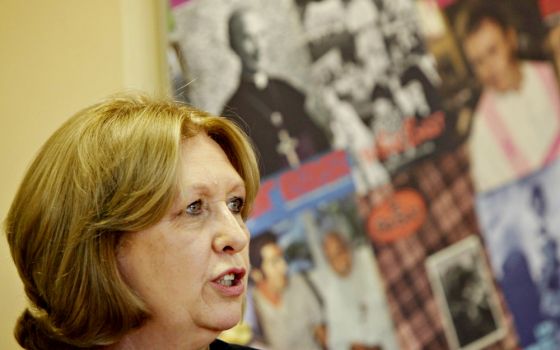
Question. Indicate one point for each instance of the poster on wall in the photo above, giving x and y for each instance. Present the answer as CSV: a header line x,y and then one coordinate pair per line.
x,y
433,208
369,61
391,101
245,61
314,282
520,226
467,300
308,77
322,266
494,58
499,81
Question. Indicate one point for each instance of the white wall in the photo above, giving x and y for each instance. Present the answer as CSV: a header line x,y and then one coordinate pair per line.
x,y
56,57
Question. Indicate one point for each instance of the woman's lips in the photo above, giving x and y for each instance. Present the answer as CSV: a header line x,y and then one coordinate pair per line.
x,y
230,283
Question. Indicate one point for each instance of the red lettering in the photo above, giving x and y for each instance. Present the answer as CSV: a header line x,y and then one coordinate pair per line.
x,y
399,216
263,203
389,143
411,134
314,175
429,129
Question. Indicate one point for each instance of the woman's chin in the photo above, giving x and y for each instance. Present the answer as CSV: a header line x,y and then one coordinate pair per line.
x,y
223,319
228,321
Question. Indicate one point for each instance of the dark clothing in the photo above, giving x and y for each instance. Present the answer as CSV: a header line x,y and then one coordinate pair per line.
x,y
253,109
220,345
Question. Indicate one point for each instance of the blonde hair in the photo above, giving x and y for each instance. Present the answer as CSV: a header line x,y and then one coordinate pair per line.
x,y
111,168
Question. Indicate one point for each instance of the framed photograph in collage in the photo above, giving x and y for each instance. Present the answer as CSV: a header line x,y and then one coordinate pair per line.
x,y
465,294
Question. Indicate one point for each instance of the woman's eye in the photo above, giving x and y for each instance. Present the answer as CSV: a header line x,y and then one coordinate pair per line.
x,y
236,205
195,208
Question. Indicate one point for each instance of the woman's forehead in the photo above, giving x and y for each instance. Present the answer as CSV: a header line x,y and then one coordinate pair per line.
x,y
205,166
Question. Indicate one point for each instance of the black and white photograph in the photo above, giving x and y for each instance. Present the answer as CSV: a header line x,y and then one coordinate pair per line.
x,y
466,296
307,77
375,75
247,62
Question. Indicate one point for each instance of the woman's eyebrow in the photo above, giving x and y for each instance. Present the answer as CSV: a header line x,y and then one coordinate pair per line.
x,y
206,189
238,186
184,191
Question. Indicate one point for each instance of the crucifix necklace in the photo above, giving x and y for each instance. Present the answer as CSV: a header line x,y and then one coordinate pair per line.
x,y
287,145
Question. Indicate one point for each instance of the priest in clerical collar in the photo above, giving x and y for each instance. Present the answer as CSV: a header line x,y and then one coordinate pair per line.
x,y
270,110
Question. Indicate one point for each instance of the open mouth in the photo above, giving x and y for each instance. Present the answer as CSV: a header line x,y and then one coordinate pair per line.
x,y
231,278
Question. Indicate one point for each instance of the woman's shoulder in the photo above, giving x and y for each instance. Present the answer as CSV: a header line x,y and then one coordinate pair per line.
x,y
221,345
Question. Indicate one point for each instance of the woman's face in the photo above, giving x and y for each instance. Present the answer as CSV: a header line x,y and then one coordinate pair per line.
x,y
191,267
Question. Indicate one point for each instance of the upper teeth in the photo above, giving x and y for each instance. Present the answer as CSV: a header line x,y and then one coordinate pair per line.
x,y
227,280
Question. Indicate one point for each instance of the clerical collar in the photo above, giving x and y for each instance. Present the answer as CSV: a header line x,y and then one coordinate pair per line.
x,y
260,79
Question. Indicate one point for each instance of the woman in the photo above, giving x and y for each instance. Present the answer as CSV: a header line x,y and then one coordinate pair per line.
x,y
128,229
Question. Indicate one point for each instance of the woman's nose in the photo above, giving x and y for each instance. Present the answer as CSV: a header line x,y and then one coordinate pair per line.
x,y
231,233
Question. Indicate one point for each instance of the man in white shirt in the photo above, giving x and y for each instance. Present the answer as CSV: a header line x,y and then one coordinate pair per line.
x,y
356,310
517,119
289,313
